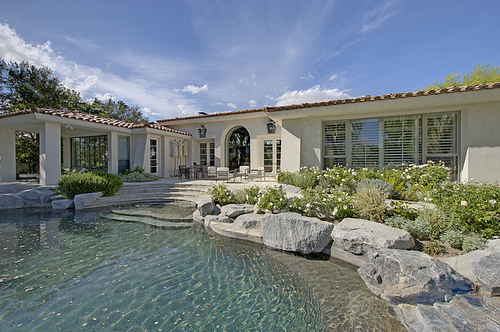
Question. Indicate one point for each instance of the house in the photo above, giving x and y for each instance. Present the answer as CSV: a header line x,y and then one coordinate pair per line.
x,y
72,139
457,125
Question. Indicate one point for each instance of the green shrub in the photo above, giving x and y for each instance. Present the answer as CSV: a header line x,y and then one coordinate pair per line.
x,y
307,177
272,199
403,209
417,228
453,237
317,203
436,220
246,195
370,198
139,177
473,242
476,206
221,194
338,177
84,183
433,249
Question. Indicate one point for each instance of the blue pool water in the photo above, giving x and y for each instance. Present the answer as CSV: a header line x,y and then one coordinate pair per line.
x,y
62,271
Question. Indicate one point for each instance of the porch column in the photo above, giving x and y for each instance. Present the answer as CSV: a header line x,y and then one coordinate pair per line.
x,y
50,153
113,153
7,155
66,152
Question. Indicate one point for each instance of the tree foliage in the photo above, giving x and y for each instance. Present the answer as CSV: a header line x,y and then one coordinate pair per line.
x,y
117,110
481,74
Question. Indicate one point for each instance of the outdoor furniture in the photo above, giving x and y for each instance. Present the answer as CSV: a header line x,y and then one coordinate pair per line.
x,y
194,171
257,174
222,174
29,176
183,171
211,172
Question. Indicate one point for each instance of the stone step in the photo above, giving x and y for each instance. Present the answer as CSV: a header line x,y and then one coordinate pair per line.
x,y
147,220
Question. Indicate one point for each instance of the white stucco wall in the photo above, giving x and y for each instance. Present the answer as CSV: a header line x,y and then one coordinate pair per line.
x,y
50,153
7,155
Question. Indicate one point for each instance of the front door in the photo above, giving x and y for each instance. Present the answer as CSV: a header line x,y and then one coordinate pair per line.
x,y
272,155
153,156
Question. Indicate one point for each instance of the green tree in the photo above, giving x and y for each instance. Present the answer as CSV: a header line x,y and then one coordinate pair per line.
x,y
481,74
118,110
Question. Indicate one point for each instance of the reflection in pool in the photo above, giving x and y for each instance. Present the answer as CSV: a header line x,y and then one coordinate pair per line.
x,y
66,271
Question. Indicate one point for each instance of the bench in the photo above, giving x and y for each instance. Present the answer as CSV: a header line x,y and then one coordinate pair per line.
x,y
29,176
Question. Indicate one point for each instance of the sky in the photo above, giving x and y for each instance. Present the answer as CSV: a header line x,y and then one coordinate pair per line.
x,y
177,58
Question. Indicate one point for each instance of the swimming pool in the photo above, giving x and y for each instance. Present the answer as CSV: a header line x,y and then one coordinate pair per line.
x,y
64,271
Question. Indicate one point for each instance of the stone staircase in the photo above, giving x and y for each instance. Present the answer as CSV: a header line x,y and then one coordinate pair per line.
x,y
152,193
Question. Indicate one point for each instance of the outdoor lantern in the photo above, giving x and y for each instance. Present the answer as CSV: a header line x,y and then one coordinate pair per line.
x,y
202,131
271,126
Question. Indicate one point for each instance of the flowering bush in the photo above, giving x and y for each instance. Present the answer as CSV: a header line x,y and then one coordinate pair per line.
x,y
338,177
317,203
306,177
272,199
248,195
221,194
476,206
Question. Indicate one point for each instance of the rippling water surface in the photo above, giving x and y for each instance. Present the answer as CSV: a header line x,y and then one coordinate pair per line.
x,y
67,272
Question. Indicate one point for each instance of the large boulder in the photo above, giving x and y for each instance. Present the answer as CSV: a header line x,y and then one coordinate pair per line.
x,y
235,210
11,201
38,197
247,221
294,232
62,204
358,236
218,218
84,199
205,207
487,271
405,276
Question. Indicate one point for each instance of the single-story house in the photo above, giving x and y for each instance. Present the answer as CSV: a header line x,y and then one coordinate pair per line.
x,y
459,126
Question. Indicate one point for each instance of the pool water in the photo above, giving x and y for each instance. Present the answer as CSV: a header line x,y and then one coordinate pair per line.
x,y
80,272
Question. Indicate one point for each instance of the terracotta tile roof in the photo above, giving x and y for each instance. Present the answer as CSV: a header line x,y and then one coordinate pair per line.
x,y
82,116
367,98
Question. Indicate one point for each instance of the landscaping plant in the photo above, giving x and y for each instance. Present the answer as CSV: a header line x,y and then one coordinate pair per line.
x,y
220,193
84,183
318,203
272,199
370,198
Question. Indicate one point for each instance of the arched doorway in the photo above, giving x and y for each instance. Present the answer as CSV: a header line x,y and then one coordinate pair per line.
x,y
238,148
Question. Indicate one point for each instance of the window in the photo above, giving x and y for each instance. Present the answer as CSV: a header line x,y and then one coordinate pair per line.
x,y
392,141
90,152
207,154
123,153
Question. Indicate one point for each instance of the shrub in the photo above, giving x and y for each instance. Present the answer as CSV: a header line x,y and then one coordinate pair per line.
x,y
84,183
307,177
433,249
436,220
403,209
476,206
139,177
453,237
272,199
416,228
248,195
338,177
473,242
221,194
317,203
370,198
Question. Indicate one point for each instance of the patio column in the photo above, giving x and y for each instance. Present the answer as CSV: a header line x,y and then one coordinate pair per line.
x,y
113,148
50,153
7,155
66,152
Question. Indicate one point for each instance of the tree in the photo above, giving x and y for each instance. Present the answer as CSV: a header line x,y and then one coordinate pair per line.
x,y
118,110
481,74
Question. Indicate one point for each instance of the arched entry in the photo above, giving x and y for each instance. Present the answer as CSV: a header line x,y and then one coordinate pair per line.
x,y
238,148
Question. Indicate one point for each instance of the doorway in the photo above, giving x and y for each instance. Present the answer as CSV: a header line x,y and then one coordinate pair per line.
x,y
272,155
238,148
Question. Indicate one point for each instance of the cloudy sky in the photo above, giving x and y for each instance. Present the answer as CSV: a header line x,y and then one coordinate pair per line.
x,y
177,58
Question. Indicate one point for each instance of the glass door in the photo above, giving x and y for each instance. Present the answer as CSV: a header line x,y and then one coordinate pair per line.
x,y
153,156
272,155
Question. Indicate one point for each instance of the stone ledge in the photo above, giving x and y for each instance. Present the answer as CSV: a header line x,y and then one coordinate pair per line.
x,y
229,230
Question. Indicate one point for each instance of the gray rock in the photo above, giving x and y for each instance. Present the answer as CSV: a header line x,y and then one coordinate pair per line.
x,y
218,218
38,197
294,232
11,201
235,210
84,199
402,276
205,207
291,189
359,236
62,204
247,221
487,271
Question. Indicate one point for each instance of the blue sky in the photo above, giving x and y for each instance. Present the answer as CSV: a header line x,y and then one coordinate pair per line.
x,y
177,58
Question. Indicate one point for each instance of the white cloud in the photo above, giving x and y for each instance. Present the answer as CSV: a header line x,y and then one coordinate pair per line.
x,y
146,110
377,16
85,44
252,103
194,89
312,95
308,77
232,106
334,76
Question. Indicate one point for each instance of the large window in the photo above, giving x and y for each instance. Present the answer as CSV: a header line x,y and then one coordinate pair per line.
x,y
392,141
207,154
238,148
90,152
123,153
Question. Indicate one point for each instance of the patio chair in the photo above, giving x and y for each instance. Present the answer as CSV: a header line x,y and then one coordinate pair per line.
x,y
183,171
222,174
211,172
257,174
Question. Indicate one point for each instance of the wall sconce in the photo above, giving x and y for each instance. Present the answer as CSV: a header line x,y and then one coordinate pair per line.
x,y
271,126
202,131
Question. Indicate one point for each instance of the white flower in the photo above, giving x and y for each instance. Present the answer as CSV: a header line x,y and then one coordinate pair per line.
x,y
492,201
425,199
271,204
464,203
308,205
408,176
345,207
281,199
354,173
365,169
340,199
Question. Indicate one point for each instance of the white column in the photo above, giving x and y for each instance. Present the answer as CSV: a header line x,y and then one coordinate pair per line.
x,y
66,152
113,153
7,155
50,153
